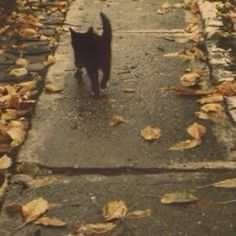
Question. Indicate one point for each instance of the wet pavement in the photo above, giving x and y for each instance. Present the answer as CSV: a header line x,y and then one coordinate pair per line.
x,y
71,136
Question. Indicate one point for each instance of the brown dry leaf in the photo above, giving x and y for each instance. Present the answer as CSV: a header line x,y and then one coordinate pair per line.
x,y
178,197
19,72
27,86
150,133
17,131
196,130
34,209
28,32
94,229
214,98
5,162
138,214
52,87
212,107
190,79
227,88
22,62
50,60
227,183
187,144
114,210
47,221
116,120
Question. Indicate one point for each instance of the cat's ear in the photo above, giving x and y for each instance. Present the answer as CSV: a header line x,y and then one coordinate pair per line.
x,y
72,31
90,30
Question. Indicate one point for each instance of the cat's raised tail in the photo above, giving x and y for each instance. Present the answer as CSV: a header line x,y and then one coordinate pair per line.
x,y
107,29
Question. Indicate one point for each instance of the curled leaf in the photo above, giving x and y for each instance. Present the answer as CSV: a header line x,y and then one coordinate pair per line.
x,y
178,197
196,130
150,133
116,120
227,183
50,60
187,144
114,210
190,79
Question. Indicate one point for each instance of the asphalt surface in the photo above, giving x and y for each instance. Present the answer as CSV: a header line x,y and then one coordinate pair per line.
x,y
70,133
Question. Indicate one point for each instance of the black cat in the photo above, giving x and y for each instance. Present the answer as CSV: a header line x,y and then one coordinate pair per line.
x,y
93,52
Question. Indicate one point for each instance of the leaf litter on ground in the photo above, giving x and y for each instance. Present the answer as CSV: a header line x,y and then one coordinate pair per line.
x,y
116,120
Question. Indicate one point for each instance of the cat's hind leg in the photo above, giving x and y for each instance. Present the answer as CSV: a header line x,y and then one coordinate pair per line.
x,y
93,75
106,77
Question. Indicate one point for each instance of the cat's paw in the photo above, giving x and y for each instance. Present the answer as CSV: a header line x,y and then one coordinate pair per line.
x,y
104,85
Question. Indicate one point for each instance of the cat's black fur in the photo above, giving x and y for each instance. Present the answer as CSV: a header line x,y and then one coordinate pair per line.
x,y
93,52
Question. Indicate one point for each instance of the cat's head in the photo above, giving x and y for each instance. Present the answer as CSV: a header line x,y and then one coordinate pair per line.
x,y
77,35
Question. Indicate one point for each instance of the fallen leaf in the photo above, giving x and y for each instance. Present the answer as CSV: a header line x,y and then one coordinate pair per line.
x,y
19,72
52,87
150,133
187,144
27,86
34,209
116,120
178,197
166,5
212,107
227,183
196,130
114,210
5,162
214,98
138,214
190,79
16,130
227,88
22,62
50,60
93,229
28,32
47,221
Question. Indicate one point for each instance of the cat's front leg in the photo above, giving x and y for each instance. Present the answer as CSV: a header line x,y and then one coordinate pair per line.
x,y
106,77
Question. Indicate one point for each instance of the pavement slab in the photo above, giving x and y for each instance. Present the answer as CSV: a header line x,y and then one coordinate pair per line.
x,y
72,130
81,199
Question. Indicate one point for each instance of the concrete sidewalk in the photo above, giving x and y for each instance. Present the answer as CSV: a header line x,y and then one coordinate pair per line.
x,y
95,163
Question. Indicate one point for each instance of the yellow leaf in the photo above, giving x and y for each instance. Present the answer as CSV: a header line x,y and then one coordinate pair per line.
x,y
227,183
116,120
196,130
28,32
190,79
187,144
166,5
34,209
52,87
150,133
50,60
212,107
27,86
5,162
47,221
114,210
22,62
95,229
178,197
16,130
138,214
19,72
